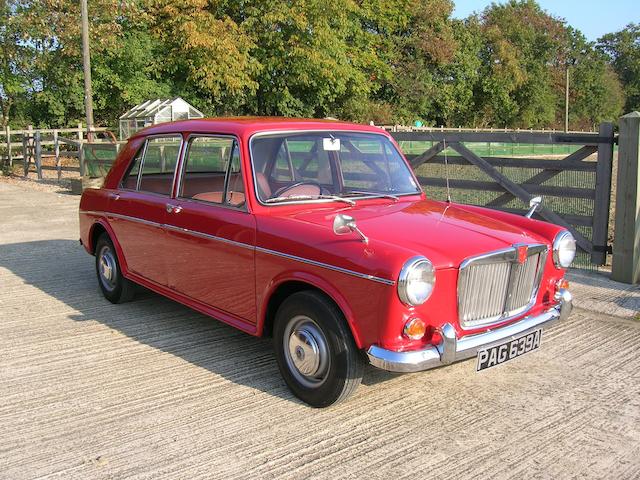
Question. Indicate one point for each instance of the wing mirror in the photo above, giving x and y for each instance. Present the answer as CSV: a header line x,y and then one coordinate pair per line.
x,y
534,203
344,224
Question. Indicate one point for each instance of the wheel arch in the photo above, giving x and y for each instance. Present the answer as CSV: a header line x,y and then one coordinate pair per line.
x,y
99,227
280,289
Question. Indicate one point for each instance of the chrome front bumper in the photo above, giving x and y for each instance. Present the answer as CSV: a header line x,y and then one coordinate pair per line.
x,y
452,349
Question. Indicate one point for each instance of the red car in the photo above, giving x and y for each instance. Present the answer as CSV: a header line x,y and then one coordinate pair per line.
x,y
317,233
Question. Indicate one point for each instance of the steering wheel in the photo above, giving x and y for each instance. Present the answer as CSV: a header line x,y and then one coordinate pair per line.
x,y
286,188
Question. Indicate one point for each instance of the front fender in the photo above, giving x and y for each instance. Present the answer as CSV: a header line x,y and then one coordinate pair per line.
x,y
312,280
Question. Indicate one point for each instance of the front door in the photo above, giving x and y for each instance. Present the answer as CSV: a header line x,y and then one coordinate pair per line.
x,y
211,234
139,208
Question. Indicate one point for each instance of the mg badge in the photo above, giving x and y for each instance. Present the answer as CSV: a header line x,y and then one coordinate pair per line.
x,y
522,253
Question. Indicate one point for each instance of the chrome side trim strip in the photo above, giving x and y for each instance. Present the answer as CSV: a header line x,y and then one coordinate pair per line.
x,y
123,217
245,245
327,266
208,236
172,228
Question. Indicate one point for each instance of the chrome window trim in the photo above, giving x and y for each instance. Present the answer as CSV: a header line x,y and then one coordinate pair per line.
x,y
244,245
144,154
506,255
236,208
320,200
120,184
183,163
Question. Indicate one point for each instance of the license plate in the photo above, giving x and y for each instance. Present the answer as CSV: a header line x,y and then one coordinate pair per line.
x,y
507,351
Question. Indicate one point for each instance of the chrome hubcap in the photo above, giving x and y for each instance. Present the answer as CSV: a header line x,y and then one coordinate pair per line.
x,y
107,268
306,351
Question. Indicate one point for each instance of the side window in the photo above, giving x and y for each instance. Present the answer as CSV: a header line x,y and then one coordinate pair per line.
x,y
159,163
211,168
130,179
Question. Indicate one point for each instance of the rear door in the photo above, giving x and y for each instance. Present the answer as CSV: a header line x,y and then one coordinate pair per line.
x,y
211,233
139,209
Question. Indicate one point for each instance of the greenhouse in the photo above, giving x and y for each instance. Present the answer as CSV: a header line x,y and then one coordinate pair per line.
x,y
156,111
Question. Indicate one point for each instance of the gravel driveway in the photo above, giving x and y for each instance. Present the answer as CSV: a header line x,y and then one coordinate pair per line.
x,y
152,389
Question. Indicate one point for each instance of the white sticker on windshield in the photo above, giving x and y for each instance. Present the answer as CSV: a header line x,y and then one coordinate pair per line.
x,y
331,144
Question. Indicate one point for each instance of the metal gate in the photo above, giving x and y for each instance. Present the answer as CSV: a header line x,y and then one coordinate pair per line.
x,y
574,179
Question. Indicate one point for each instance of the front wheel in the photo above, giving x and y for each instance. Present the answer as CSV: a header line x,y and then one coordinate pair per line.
x,y
315,351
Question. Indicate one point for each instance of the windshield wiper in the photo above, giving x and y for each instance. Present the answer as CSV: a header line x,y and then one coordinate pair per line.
x,y
310,197
375,194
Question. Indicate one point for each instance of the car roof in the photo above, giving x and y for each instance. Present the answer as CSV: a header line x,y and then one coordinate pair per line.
x,y
243,126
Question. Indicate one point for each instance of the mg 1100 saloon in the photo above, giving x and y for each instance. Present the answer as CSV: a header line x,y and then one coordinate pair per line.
x,y
317,234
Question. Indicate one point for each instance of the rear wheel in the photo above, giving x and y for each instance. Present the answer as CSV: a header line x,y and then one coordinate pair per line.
x,y
114,286
315,351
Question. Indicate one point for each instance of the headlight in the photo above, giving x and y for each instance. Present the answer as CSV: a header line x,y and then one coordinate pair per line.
x,y
416,281
564,249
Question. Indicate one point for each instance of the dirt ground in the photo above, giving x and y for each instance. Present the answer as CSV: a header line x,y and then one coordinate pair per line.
x,y
151,389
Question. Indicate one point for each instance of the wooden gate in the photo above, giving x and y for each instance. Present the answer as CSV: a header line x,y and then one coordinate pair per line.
x,y
513,180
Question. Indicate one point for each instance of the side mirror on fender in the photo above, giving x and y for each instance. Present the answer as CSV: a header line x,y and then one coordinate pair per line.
x,y
533,205
344,224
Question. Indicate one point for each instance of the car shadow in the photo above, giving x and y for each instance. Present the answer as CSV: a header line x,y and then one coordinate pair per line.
x,y
63,270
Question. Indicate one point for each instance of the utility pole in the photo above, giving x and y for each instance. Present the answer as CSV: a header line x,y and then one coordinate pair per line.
x,y
86,64
566,99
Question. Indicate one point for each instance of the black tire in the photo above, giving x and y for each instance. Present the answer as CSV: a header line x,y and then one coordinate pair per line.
x,y
315,351
114,286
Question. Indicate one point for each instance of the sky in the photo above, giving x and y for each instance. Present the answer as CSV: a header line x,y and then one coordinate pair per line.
x,y
593,18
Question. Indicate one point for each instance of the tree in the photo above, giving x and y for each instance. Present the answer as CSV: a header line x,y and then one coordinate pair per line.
x,y
595,93
521,41
16,57
204,53
313,57
623,48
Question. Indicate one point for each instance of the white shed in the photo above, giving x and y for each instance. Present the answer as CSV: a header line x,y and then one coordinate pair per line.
x,y
156,111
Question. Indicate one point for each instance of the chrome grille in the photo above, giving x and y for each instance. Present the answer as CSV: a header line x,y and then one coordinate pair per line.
x,y
495,287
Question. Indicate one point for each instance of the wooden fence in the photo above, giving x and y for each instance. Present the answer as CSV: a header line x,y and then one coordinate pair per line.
x,y
29,146
509,182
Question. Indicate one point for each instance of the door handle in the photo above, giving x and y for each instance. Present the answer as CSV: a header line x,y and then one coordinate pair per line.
x,y
173,208
114,196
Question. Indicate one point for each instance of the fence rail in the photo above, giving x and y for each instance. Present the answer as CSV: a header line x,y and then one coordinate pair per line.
x,y
36,144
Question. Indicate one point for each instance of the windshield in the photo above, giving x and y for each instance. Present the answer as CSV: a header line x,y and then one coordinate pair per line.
x,y
306,166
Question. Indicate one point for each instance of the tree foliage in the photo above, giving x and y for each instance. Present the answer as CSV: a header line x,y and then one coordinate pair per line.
x,y
381,60
623,49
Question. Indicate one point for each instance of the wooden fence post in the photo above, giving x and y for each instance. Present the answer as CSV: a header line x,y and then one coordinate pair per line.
x,y
27,145
24,152
9,155
81,151
626,246
38,154
56,152
601,204
81,159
